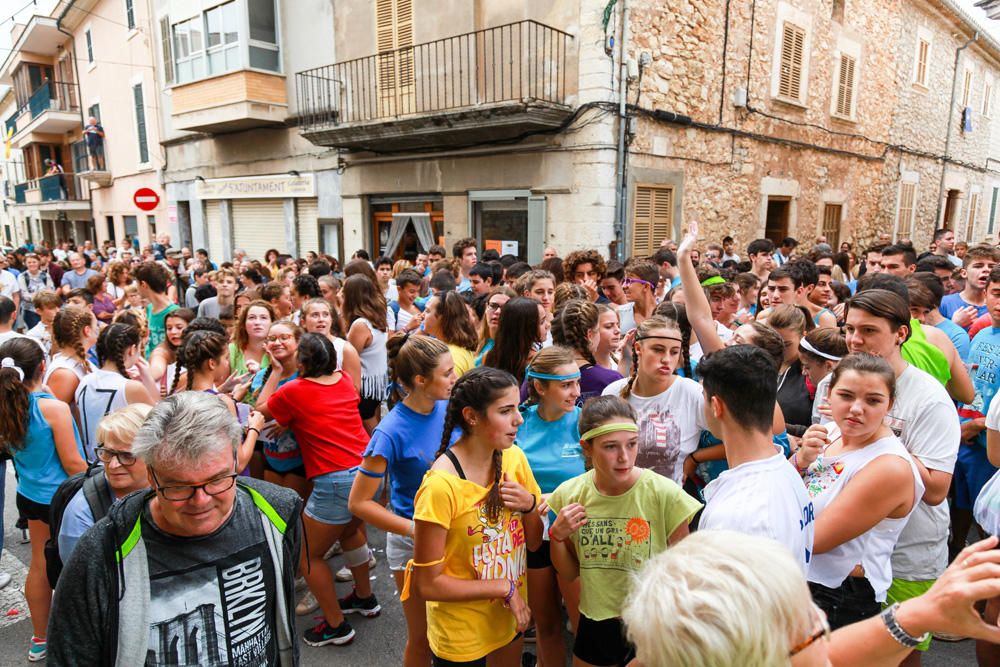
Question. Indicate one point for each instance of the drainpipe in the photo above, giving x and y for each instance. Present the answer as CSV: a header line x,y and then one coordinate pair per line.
x,y
621,189
951,113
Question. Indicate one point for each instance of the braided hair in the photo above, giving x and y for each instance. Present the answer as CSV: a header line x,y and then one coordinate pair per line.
x,y
477,389
67,329
197,348
648,325
677,312
571,325
113,342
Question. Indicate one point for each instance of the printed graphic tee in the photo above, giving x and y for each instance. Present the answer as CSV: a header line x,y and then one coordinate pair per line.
x,y
621,534
211,597
476,548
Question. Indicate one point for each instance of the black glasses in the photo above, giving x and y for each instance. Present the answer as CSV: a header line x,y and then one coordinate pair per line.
x,y
186,491
105,455
492,305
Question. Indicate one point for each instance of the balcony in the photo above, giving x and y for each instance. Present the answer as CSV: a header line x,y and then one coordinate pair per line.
x,y
485,86
235,101
91,164
52,109
58,192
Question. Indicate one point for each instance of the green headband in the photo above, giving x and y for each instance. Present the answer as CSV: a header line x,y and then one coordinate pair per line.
x,y
714,280
613,427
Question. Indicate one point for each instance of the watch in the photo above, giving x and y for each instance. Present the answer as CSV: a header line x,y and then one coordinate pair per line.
x,y
897,632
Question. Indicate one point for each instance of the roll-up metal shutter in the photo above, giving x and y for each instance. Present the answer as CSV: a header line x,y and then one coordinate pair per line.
x,y
258,225
307,217
213,220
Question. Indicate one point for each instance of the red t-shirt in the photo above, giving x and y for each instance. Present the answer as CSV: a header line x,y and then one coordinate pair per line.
x,y
325,421
979,324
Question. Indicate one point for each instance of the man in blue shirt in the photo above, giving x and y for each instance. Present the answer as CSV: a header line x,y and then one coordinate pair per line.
x,y
963,308
926,292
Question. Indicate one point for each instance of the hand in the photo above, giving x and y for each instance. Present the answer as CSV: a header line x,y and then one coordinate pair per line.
x,y
515,497
814,441
252,366
964,316
519,608
233,381
255,420
825,409
141,369
240,392
568,521
591,287
543,504
971,429
690,465
627,341
948,606
838,310
689,241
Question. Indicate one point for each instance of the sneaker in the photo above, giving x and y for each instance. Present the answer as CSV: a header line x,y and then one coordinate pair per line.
x,y
352,604
335,550
530,635
344,574
300,583
306,605
323,634
4,579
36,650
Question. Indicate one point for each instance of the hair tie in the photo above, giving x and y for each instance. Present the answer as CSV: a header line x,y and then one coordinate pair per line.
x,y
549,376
8,362
714,280
612,427
808,347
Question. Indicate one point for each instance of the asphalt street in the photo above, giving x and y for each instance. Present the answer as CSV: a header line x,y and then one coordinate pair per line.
x,y
379,641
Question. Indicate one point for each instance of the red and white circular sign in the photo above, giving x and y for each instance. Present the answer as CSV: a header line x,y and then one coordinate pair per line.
x,y
146,199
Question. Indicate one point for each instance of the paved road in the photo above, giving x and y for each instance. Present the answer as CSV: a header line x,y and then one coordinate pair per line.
x,y
379,641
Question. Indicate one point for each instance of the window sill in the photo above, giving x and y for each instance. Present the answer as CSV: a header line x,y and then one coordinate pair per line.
x,y
790,102
91,66
132,32
920,88
851,120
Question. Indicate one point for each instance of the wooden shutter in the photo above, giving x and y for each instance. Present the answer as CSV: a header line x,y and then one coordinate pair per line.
x,y
652,219
922,52
792,46
140,123
831,224
904,216
970,227
966,88
845,86
394,62
166,51
987,98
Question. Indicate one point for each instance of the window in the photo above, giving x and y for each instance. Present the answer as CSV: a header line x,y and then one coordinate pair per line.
x,y
221,37
140,123
264,52
967,88
90,46
970,225
993,210
845,87
167,53
95,111
652,219
831,223
189,50
904,213
792,52
987,97
394,63
923,58
130,14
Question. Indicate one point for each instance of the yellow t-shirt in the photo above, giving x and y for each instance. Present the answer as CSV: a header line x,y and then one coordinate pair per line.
x,y
474,549
464,359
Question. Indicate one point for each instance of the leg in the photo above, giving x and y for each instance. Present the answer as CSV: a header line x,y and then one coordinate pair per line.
x,y
986,652
508,656
352,538
544,601
571,598
319,537
418,651
36,586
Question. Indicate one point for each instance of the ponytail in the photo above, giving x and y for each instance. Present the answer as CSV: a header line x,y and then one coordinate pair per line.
x,y
21,360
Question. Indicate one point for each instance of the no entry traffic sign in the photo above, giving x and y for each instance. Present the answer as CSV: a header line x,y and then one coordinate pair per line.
x,y
146,199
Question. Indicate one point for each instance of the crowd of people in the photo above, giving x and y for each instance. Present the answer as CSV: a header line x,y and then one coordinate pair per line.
x,y
693,458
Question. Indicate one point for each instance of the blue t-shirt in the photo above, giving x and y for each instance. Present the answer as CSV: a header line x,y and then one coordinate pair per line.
x,y
280,447
39,469
985,377
958,336
77,518
408,441
482,354
953,302
552,448
76,280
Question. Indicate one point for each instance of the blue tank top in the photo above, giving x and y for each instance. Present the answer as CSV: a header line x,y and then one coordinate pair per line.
x,y
39,470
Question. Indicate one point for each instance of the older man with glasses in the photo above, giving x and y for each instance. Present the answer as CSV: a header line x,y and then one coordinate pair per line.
x,y
204,553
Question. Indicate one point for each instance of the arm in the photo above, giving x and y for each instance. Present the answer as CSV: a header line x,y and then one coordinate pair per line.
x,y
827,320
568,520
993,446
960,385
363,505
699,311
359,336
60,420
145,382
63,384
158,363
882,488
352,366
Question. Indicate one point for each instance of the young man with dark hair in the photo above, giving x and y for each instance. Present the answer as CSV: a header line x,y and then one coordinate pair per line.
x,y
481,278
941,268
640,283
490,255
761,254
279,295
944,245
465,252
805,276
613,293
926,293
408,314
784,253
515,271
225,282
666,261
435,254
899,260
152,280
728,246
761,493
202,256
585,268
320,268
965,306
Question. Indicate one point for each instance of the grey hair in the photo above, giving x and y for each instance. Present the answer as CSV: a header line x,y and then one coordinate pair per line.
x,y
179,430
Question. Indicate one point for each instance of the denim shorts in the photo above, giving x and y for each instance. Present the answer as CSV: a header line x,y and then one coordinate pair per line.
x,y
328,501
398,551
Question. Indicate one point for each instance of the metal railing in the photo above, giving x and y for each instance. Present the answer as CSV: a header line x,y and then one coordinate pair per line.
x,y
11,123
518,61
54,187
55,96
89,158
19,190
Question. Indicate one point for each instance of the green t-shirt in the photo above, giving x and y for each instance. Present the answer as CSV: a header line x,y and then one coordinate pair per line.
x,y
157,326
918,351
621,534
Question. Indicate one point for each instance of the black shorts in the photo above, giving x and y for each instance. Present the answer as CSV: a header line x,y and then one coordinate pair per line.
x,y
852,601
31,510
368,407
541,558
602,642
299,470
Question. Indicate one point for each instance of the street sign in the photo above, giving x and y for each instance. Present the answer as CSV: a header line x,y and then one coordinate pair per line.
x,y
146,199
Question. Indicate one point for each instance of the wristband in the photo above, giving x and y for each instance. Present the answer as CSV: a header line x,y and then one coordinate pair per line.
x,y
251,428
534,503
693,458
510,593
898,633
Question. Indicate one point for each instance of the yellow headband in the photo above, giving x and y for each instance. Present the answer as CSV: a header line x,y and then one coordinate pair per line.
x,y
612,427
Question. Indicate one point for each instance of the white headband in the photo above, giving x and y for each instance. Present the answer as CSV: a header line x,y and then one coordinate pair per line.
x,y
807,346
9,363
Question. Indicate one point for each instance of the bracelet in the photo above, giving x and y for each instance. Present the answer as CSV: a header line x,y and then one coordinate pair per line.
x,y
251,428
510,593
534,503
693,458
413,528
898,633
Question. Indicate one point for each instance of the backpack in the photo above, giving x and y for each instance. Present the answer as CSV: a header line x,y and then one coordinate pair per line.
x,y
98,495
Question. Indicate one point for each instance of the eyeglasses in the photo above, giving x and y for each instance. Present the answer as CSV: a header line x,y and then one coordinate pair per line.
x,y
284,338
105,455
186,491
492,305
823,631
629,281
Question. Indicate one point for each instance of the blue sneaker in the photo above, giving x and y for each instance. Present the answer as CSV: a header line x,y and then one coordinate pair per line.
x,y
36,651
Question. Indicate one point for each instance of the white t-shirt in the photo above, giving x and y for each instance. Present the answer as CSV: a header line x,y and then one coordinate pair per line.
x,y
725,333
993,416
626,317
99,394
8,284
402,319
670,424
925,420
765,498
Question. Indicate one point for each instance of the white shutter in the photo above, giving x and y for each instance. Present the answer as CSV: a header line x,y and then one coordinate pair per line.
x,y
213,220
307,219
258,225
